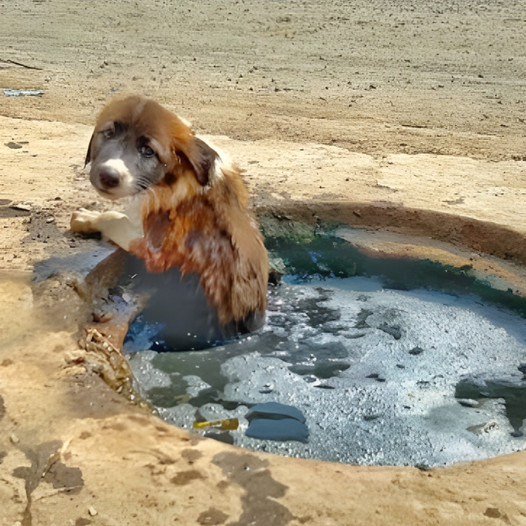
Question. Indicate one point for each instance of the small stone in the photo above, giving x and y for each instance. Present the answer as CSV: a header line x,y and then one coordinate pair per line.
x,y
493,513
92,511
13,145
423,467
392,330
21,206
468,402
376,376
481,429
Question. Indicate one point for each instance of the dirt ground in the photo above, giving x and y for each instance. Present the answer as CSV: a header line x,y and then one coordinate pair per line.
x,y
375,77
409,116
415,104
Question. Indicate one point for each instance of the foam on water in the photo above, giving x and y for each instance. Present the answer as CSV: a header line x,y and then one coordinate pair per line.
x,y
382,376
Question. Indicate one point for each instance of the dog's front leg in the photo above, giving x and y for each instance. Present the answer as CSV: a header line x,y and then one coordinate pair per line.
x,y
115,226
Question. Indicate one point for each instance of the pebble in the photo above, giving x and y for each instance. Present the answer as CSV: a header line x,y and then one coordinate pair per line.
x,y
468,402
20,206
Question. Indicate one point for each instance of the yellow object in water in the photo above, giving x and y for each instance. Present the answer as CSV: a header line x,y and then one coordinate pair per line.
x,y
230,424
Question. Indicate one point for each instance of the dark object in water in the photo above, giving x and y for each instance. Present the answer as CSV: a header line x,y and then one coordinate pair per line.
x,y
512,390
275,410
274,421
178,307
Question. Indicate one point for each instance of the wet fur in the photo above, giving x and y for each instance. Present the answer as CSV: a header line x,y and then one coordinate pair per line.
x,y
194,207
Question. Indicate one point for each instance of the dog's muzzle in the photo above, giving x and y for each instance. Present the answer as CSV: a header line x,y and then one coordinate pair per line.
x,y
109,178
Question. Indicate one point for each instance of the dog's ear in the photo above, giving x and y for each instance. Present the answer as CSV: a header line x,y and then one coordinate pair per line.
x,y
202,157
88,153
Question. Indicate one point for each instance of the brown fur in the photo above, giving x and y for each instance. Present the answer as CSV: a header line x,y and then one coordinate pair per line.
x,y
196,217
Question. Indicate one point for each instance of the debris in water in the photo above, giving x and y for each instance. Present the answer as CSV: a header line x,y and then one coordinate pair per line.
x,y
279,430
324,337
275,411
274,421
229,424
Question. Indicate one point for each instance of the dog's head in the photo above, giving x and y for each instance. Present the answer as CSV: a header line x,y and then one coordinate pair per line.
x,y
137,143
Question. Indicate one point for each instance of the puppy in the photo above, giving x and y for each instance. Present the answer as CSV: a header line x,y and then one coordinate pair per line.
x,y
193,206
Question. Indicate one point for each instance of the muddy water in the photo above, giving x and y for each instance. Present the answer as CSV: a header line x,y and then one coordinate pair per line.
x,y
362,360
388,363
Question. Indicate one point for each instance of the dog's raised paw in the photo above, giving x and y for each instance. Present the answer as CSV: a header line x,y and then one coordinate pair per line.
x,y
84,221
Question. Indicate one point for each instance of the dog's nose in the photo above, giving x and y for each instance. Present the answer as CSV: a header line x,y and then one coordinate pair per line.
x,y
109,178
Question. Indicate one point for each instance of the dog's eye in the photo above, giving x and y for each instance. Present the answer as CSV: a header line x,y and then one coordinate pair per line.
x,y
108,133
146,151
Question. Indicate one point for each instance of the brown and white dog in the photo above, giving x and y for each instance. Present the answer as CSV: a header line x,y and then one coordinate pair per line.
x,y
193,207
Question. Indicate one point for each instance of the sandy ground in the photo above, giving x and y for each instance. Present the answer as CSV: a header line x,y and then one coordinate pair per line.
x,y
406,116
